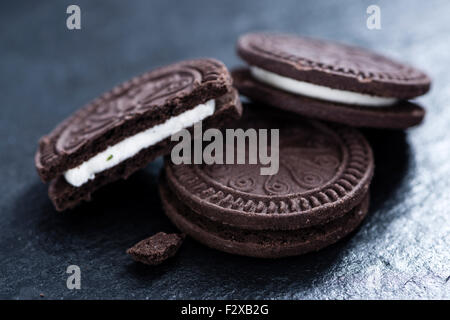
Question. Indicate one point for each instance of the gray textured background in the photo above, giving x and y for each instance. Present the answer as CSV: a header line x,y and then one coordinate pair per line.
x,y
47,72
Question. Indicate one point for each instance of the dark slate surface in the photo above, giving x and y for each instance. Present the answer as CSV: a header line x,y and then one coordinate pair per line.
x,y
401,250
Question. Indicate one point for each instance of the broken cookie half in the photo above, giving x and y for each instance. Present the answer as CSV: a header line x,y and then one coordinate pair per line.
x,y
131,125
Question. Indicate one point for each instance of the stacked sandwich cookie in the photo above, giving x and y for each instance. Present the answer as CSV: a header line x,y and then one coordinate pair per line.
x,y
129,126
329,81
319,195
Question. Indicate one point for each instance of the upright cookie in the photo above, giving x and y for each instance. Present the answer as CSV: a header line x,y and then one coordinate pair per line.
x,y
131,125
329,81
318,195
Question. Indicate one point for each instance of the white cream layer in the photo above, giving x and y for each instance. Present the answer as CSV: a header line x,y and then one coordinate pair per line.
x,y
130,146
317,91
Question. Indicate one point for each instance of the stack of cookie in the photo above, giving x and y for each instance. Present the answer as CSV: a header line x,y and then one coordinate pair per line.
x,y
321,191
319,194
315,92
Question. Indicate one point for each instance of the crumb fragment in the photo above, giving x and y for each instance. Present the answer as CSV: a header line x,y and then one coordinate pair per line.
x,y
156,249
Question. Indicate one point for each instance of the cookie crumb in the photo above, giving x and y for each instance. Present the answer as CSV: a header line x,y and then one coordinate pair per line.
x,y
156,249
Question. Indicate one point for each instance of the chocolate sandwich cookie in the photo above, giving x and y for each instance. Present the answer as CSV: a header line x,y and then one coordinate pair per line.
x,y
131,125
318,195
329,81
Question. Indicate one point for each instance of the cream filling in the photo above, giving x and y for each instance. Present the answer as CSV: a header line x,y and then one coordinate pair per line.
x,y
130,146
317,91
